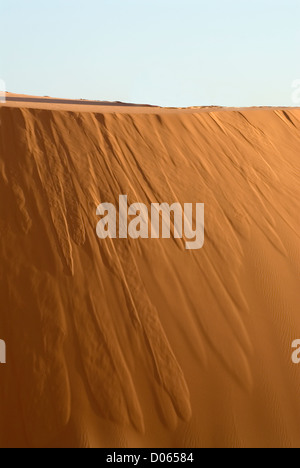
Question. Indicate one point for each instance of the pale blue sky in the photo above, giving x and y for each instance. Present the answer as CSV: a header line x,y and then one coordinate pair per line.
x,y
166,52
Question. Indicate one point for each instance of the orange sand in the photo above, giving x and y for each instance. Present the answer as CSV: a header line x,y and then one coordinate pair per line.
x,y
140,343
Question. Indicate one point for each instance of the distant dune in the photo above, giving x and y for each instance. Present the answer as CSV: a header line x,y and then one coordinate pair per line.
x,y
140,343
21,98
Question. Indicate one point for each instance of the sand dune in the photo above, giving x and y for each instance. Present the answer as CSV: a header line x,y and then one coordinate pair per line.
x,y
19,98
140,343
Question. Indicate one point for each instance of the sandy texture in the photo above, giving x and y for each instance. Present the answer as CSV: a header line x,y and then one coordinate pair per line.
x,y
140,343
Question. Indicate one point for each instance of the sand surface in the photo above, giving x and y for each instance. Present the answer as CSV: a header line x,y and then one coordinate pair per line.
x,y
140,343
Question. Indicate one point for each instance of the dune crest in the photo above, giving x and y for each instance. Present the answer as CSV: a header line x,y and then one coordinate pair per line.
x,y
139,342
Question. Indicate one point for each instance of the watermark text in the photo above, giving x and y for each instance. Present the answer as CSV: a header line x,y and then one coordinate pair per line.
x,y
296,353
2,91
2,352
160,221
296,92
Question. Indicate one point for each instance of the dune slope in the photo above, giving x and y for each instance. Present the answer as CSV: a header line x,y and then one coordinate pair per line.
x,y
129,343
